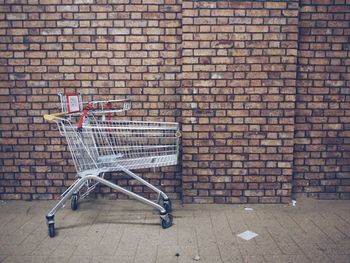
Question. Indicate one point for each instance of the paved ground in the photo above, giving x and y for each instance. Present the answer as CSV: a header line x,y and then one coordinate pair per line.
x,y
126,231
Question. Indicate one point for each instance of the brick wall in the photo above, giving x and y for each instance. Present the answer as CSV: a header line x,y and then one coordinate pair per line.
x,y
238,92
124,48
322,137
260,103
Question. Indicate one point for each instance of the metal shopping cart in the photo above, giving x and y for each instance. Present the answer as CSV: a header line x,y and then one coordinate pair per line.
x,y
99,145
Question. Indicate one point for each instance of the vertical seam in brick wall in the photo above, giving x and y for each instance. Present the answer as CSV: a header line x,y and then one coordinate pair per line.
x,y
296,94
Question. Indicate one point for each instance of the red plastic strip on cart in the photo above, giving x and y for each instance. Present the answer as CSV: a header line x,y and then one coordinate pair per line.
x,y
108,107
85,112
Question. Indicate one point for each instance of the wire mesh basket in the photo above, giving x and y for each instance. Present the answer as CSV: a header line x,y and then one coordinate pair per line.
x,y
98,144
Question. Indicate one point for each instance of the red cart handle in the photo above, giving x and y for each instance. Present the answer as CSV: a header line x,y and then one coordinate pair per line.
x,y
85,112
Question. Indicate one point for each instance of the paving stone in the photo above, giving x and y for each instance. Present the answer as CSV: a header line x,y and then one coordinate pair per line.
x,y
27,259
253,259
286,259
170,250
113,259
57,259
6,250
127,245
5,219
229,254
2,257
80,259
115,231
210,259
187,241
289,248
14,239
64,248
168,259
340,258
250,249
48,246
314,253
208,247
31,242
14,224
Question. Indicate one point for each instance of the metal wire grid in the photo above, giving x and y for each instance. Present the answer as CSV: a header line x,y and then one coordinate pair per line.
x,y
128,144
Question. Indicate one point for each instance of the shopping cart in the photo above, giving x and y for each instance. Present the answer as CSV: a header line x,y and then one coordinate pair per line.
x,y
100,145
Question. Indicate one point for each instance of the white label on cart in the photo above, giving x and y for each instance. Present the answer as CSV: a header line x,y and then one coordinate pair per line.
x,y
73,103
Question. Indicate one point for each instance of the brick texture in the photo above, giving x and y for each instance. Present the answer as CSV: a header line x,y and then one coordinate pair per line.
x,y
322,137
260,89
120,48
237,100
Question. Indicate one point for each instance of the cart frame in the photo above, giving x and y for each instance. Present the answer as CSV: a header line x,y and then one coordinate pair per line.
x,y
99,146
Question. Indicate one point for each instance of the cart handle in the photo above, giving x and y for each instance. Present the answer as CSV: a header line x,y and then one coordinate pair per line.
x,y
108,106
108,109
178,134
53,116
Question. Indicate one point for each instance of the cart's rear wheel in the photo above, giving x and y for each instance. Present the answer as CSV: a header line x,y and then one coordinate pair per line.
x,y
167,206
167,221
74,202
51,230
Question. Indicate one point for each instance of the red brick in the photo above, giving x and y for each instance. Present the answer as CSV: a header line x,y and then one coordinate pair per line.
x,y
226,70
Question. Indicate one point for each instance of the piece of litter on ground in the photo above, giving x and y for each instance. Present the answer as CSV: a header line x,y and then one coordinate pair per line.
x,y
248,209
197,258
177,254
294,203
247,235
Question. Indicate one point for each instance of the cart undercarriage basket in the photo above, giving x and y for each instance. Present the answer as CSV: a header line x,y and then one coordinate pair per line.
x,y
99,145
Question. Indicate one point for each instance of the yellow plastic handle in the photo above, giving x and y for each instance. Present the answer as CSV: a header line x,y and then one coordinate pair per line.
x,y
51,117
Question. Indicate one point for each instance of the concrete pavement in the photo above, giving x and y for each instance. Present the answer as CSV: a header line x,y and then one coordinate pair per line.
x,y
127,231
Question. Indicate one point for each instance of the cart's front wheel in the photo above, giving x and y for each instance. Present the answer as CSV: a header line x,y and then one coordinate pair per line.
x,y
167,221
74,202
167,206
51,229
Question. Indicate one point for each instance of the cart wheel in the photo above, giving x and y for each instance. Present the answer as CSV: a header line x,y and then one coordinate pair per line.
x,y
74,202
167,206
52,231
168,222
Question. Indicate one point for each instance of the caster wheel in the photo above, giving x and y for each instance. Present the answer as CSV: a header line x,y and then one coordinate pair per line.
x,y
51,229
167,206
74,202
167,222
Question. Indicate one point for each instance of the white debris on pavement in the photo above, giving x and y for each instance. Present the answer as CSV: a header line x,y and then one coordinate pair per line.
x,y
247,235
248,209
197,258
